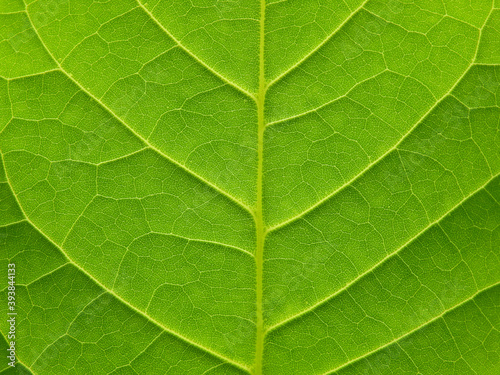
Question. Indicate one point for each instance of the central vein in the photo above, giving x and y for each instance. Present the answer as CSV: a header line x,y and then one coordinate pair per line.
x,y
259,218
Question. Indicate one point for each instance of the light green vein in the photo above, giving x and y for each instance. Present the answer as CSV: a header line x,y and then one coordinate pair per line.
x,y
12,223
387,152
212,368
132,307
69,325
97,33
121,157
145,349
492,197
259,214
316,109
394,147
407,355
457,249
376,265
330,36
30,75
188,51
257,211
45,274
416,32
397,339
246,252
145,141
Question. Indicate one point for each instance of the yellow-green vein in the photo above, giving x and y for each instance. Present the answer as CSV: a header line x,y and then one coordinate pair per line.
x,y
259,217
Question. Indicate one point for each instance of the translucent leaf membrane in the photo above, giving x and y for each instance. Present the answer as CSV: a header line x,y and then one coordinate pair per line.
x,y
241,187
435,277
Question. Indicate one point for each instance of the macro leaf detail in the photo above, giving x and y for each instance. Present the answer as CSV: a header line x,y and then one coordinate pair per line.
x,y
251,187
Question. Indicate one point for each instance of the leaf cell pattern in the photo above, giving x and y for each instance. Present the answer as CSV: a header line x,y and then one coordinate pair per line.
x,y
252,187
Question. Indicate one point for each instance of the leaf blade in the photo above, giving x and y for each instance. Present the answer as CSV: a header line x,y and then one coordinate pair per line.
x,y
152,155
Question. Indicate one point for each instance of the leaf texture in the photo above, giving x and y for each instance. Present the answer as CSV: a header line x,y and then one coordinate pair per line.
x,y
251,187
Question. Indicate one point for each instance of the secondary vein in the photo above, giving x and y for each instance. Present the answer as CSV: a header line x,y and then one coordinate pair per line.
x,y
145,141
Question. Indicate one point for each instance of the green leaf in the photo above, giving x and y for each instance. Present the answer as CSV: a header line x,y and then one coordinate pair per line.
x,y
231,187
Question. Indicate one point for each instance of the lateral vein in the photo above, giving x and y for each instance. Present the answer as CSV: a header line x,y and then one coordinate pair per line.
x,y
144,141
409,333
129,305
379,263
323,42
190,53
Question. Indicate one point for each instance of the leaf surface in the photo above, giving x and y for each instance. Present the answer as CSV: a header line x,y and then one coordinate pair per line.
x,y
234,187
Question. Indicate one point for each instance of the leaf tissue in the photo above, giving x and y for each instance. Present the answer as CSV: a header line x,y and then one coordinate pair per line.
x,y
251,186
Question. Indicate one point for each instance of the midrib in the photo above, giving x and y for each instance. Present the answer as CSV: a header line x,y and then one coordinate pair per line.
x,y
259,218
